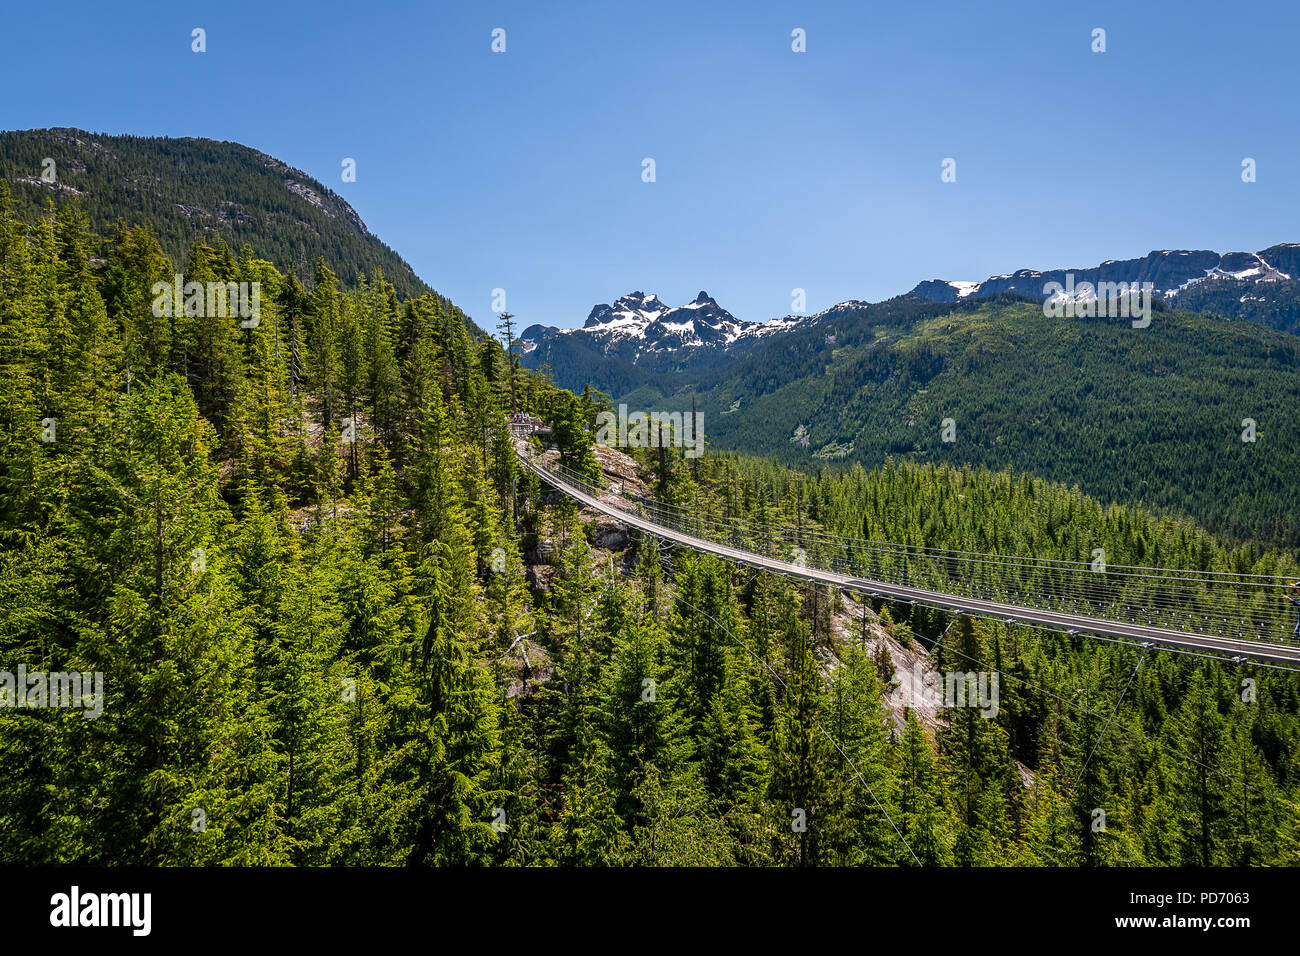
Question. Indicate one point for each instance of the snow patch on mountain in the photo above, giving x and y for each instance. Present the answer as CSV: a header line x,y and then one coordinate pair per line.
x,y
1170,271
640,323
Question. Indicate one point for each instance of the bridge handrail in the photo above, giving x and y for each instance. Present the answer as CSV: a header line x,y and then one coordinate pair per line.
x,y
1115,597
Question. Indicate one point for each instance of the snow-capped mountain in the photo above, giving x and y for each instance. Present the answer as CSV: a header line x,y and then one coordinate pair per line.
x,y
639,325
1173,272
641,341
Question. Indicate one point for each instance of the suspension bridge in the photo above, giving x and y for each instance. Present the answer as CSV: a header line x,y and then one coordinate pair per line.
x,y
1240,617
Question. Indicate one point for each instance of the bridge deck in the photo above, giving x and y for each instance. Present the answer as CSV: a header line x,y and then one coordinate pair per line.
x,y
1278,654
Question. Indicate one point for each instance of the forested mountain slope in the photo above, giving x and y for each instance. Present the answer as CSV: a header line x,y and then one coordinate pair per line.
x,y
1153,416
1256,286
336,625
188,189
1028,772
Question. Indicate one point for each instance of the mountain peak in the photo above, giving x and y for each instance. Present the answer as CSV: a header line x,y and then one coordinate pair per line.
x,y
1170,271
642,300
629,312
639,323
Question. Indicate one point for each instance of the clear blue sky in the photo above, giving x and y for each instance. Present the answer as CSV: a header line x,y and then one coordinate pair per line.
x,y
775,170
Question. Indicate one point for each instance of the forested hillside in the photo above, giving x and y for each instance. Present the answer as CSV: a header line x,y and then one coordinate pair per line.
x,y
1189,766
188,189
1254,286
1152,416
337,625
1275,304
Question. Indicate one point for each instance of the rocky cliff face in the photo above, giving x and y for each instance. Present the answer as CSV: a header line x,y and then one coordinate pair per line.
x,y
1170,271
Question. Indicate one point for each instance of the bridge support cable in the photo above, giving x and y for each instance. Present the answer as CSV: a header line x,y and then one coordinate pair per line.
x,y
1141,736
1101,734
1217,614
817,723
